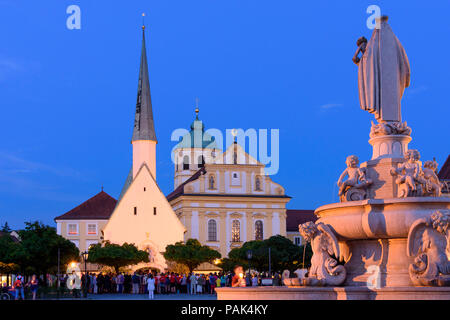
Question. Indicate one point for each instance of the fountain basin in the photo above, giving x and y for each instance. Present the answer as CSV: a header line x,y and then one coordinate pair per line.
x,y
378,218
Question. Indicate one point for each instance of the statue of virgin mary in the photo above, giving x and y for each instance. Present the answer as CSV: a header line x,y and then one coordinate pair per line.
x,y
383,73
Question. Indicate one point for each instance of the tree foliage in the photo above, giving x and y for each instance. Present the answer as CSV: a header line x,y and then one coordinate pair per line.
x,y
115,255
37,250
191,254
8,268
284,254
5,228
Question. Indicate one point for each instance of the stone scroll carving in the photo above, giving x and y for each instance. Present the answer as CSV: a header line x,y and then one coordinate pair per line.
x,y
325,270
389,128
429,244
412,181
355,187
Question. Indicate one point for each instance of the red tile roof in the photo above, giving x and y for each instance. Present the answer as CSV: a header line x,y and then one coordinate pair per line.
x,y
444,173
99,206
296,217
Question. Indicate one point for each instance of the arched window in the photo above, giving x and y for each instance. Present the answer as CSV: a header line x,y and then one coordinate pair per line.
x,y
235,231
186,163
258,184
201,162
212,182
259,231
212,230
234,157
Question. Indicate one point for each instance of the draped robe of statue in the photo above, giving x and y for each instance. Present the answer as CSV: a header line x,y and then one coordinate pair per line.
x,y
383,74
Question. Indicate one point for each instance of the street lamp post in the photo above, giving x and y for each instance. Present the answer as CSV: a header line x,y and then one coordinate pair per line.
x,y
85,256
249,257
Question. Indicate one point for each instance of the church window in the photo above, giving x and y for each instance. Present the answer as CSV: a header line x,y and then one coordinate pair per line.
x,y
298,241
258,184
235,157
212,182
144,189
185,163
212,230
154,211
259,231
201,162
236,231
135,211
235,179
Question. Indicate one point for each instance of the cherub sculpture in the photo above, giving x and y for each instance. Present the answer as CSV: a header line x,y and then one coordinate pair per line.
x,y
408,175
354,188
325,270
432,185
429,244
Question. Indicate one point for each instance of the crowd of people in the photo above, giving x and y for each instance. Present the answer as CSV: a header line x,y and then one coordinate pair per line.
x,y
140,283
165,283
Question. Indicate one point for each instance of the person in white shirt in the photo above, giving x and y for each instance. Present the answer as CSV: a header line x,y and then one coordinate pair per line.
x,y
150,286
193,283
254,281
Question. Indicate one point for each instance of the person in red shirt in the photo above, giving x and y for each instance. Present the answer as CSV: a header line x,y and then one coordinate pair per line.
x,y
238,278
18,287
162,283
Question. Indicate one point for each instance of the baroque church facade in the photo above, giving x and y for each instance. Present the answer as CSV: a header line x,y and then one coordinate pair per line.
x,y
224,198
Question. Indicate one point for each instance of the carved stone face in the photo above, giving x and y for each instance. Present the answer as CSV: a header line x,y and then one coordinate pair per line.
x,y
352,161
307,230
441,220
430,165
412,156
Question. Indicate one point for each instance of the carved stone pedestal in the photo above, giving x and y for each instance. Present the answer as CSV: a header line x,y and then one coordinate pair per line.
x,y
389,146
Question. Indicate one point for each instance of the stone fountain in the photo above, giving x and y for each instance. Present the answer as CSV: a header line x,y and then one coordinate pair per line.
x,y
389,236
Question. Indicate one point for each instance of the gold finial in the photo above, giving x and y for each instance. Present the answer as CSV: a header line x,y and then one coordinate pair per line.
x,y
143,22
196,107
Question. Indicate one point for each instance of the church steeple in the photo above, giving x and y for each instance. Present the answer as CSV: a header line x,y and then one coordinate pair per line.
x,y
144,128
144,137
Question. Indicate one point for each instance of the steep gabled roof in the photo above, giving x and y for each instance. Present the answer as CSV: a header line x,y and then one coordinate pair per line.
x,y
444,173
144,128
98,207
296,217
180,189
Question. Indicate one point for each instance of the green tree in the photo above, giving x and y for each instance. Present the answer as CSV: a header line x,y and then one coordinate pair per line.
x,y
8,268
9,249
191,253
284,254
5,228
116,256
228,264
38,249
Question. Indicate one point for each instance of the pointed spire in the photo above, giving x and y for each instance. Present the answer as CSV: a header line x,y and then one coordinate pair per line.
x,y
144,128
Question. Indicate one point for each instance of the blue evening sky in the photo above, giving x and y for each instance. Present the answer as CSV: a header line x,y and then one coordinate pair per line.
x,y
67,97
